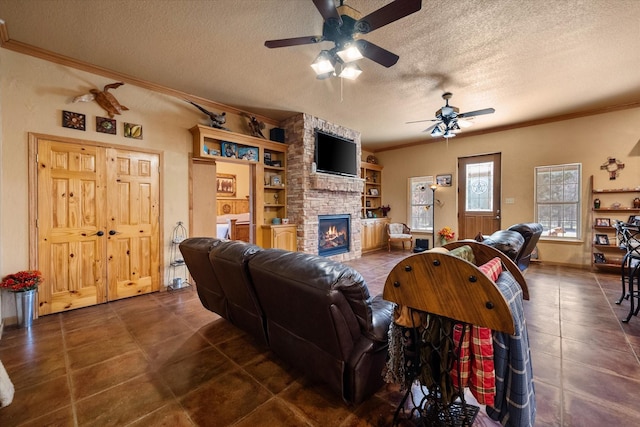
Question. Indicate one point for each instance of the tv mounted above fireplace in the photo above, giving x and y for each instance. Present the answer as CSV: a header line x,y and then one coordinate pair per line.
x,y
336,155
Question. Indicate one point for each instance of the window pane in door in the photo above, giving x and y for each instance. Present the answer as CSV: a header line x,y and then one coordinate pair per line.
x,y
479,178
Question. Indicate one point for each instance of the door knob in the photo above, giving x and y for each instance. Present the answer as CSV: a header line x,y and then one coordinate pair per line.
x,y
100,233
113,232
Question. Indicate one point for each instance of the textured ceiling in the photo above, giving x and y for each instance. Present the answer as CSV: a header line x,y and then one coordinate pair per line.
x,y
528,59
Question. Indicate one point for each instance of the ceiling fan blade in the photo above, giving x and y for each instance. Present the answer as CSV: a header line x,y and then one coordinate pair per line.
x,y
293,41
327,9
430,128
422,121
376,53
478,112
387,14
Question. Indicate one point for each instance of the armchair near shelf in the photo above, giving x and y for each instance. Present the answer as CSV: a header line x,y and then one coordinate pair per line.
x,y
399,232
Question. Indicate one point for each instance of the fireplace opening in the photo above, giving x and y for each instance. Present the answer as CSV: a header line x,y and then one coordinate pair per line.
x,y
333,234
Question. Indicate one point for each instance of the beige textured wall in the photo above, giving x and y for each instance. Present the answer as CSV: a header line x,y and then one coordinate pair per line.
x,y
33,94
587,140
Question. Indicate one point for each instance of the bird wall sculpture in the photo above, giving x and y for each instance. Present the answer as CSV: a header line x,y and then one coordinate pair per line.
x,y
217,120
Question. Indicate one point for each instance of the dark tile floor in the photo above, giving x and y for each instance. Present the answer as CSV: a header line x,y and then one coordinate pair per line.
x,y
162,359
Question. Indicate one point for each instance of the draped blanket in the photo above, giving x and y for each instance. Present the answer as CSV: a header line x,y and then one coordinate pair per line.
x,y
515,403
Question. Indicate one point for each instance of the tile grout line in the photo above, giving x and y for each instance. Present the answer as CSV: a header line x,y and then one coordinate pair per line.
x,y
67,363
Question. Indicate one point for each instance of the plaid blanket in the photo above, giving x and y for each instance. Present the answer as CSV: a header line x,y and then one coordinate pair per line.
x,y
515,404
476,351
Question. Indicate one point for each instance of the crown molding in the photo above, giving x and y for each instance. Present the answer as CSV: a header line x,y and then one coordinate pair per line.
x,y
528,123
7,43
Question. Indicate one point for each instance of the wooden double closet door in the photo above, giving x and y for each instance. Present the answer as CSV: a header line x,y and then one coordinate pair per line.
x,y
97,224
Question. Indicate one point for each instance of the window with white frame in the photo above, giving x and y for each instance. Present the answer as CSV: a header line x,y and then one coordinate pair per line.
x,y
558,200
420,203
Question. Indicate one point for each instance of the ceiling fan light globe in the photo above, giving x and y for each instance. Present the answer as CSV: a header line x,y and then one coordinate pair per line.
x,y
350,53
436,132
323,64
350,72
449,134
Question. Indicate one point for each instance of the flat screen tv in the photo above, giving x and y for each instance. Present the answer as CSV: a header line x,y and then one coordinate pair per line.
x,y
336,155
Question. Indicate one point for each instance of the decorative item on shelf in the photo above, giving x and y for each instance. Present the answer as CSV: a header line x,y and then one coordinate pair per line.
x,y
229,149
276,196
385,210
248,153
285,220
373,191
267,159
612,166
276,163
276,221
616,205
636,203
374,176
603,222
602,239
599,258
446,234
73,120
596,204
276,180
255,126
217,120
134,131
24,284
372,159
368,203
105,99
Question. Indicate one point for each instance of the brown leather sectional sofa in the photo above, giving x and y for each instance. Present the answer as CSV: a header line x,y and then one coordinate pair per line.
x,y
517,242
314,313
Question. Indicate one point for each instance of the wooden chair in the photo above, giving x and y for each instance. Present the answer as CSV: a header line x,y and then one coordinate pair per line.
x,y
399,232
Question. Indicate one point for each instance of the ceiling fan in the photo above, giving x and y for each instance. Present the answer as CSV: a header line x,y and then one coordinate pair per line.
x,y
449,120
342,26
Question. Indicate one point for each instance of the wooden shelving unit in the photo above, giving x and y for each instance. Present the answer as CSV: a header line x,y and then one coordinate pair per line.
x,y
609,256
373,220
268,161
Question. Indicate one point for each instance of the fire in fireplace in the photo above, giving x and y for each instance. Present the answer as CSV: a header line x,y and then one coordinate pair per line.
x,y
333,234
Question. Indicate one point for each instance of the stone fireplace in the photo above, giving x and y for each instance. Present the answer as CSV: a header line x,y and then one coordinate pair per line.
x,y
333,234
313,194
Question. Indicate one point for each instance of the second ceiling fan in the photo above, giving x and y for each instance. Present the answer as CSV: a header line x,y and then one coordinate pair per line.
x,y
342,26
449,120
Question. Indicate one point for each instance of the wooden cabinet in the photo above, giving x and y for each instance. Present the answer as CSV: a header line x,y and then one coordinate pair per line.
x,y
374,234
372,193
607,206
281,236
268,161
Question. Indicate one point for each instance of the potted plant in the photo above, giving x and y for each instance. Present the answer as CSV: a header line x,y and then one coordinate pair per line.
x,y
24,284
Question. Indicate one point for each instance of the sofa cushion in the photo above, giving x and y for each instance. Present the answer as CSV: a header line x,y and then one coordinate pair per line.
x,y
531,233
507,241
195,252
229,260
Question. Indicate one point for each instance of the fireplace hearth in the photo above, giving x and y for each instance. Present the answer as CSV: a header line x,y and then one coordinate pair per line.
x,y
333,234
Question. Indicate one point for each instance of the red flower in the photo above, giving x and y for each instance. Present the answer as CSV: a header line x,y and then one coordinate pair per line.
x,y
22,281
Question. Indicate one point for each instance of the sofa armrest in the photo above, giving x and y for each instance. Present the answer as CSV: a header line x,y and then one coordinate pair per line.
x,y
382,314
